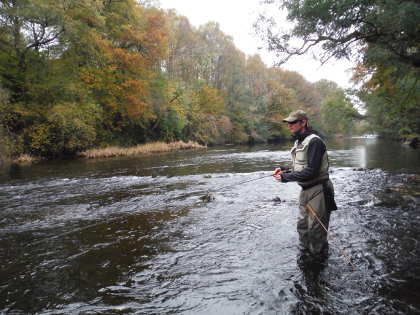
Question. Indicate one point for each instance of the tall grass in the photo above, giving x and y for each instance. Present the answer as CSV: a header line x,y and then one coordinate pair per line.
x,y
142,149
25,159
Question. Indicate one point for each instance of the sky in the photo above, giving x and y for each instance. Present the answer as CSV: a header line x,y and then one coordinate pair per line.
x,y
236,19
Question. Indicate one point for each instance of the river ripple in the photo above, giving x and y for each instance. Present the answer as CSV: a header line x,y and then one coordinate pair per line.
x,y
133,236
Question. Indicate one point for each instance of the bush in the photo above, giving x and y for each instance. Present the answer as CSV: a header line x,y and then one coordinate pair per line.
x,y
4,147
69,128
5,141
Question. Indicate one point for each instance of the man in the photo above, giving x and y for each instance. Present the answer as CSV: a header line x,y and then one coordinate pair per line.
x,y
310,171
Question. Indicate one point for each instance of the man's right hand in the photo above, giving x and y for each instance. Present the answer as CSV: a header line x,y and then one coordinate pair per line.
x,y
277,174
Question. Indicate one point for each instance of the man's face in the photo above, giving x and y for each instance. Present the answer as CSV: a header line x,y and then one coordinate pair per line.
x,y
297,127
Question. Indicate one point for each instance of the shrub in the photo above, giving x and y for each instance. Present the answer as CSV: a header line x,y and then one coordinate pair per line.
x,y
69,128
5,140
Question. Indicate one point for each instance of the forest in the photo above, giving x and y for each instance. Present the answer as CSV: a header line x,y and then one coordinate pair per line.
x,y
84,74
381,37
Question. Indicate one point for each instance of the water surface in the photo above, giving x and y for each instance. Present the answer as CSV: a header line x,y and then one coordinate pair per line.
x,y
131,235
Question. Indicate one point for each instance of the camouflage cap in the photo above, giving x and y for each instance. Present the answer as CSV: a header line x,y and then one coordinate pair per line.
x,y
296,115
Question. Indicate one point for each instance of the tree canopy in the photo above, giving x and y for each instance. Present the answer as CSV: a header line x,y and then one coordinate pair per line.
x,y
88,73
345,28
382,37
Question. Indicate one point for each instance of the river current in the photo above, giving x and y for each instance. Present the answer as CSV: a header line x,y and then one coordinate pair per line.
x,y
133,235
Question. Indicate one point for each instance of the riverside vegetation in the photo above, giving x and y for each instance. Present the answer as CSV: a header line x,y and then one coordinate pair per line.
x,y
382,37
91,74
114,151
148,148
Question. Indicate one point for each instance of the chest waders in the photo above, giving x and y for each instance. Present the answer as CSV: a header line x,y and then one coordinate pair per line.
x,y
312,234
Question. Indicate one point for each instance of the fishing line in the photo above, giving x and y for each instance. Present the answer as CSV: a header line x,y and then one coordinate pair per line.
x,y
208,197
236,184
76,230
119,218
124,217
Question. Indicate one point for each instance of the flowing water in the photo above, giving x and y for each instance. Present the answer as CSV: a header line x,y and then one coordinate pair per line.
x,y
132,235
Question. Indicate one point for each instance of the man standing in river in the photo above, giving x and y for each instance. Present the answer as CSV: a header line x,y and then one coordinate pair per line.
x,y
310,171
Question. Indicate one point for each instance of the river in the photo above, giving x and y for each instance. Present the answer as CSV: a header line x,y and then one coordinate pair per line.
x,y
132,235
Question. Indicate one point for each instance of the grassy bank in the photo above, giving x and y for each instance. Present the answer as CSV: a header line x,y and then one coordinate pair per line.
x,y
26,159
148,148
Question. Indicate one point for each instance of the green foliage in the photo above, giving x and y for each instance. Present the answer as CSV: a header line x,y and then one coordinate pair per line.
x,y
280,102
342,27
89,73
393,103
5,141
338,114
173,124
4,103
208,101
384,38
69,128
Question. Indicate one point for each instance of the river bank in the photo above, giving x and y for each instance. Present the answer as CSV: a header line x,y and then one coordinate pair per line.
x,y
115,151
142,149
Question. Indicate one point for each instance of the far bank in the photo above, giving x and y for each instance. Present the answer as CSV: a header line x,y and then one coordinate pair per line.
x,y
116,151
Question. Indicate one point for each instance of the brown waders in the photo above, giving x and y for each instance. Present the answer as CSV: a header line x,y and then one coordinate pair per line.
x,y
312,235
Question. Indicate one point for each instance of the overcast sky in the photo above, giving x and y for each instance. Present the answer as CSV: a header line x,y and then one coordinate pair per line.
x,y
236,19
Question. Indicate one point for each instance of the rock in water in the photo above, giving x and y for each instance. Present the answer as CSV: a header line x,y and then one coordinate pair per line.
x,y
277,199
207,197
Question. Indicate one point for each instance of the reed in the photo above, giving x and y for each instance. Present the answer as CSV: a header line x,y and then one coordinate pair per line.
x,y
142,149
25,159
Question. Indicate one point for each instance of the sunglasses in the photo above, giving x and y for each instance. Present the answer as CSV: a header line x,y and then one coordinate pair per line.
x,y
293,122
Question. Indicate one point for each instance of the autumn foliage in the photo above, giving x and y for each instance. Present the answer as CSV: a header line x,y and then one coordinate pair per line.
x,y
76,75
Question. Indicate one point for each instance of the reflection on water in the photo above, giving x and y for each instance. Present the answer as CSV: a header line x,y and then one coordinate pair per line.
x,y
375,153
132,235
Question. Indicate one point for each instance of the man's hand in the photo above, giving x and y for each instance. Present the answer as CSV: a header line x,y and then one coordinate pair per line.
x,y
277,174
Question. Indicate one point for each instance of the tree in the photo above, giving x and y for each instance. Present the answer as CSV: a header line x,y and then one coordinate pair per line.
x,y
206,108
69,128
183,49
345,28
325,87
382,36
89,73
29,30
56,55
257,77
338,114
5,141
279,104
392,101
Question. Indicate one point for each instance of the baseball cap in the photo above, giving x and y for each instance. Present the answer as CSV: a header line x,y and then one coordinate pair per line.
x,y
296,115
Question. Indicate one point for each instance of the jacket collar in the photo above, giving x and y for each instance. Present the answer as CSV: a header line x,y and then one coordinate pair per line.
x,y
301,137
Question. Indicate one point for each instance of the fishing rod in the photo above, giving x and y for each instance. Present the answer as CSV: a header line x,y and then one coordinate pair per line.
x,y
208,196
